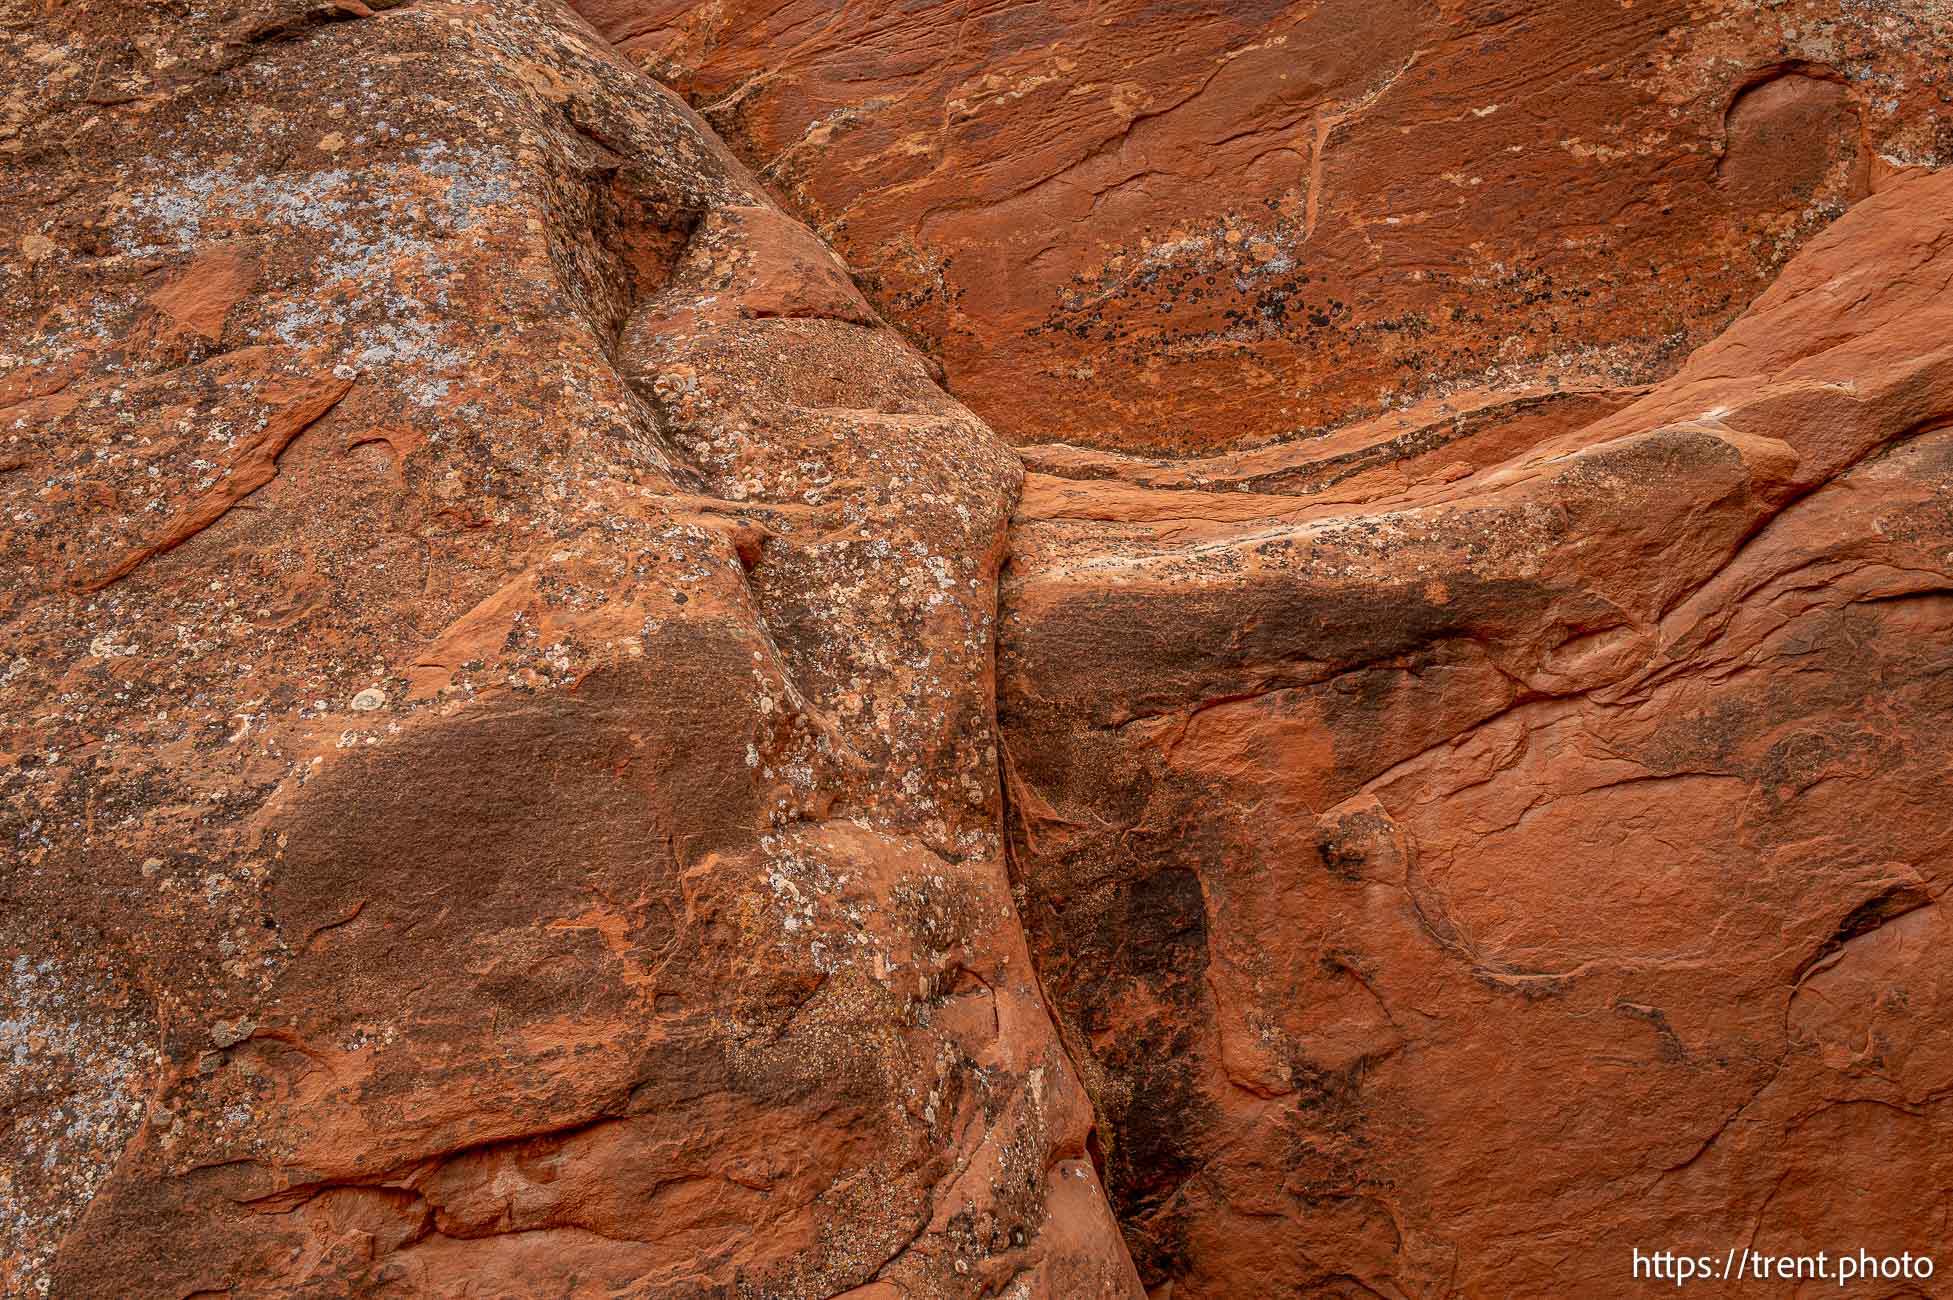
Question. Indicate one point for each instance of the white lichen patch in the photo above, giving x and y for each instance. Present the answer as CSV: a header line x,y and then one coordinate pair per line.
x,y
74,1056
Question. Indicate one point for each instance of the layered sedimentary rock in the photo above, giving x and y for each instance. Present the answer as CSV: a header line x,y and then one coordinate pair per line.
x,y
501,782
1170,227
1451,883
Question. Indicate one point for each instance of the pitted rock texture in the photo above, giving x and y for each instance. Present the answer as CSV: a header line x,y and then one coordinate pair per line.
x,y
1451,891
501,783
1175,227
1397,746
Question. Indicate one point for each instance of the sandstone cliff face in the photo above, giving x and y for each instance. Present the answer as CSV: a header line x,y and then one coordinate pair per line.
x,y
547,755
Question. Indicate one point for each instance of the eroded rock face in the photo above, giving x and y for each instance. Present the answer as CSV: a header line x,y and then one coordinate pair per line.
x,y
501,780
546,755
1532,854
1173,227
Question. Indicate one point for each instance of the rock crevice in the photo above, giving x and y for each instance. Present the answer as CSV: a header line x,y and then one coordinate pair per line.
x,y
546,754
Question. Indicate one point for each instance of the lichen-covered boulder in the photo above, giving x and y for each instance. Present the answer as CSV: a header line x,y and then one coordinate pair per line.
x,y
500,774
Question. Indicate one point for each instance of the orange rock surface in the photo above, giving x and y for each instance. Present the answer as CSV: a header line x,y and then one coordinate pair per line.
x,y
1452,892
501,764
932,651
1174,227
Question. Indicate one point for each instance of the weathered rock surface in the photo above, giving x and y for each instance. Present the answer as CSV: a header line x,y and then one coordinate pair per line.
x,y
1453,887
543,754
501,783
1165,227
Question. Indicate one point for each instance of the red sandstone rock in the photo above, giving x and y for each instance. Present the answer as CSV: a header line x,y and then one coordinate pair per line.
x,y
500,773
1178,227
1453,891
500,764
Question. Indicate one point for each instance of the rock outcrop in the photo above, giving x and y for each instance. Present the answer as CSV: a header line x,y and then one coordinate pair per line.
x,y
1394,747
1172,227
502,780
1450,887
